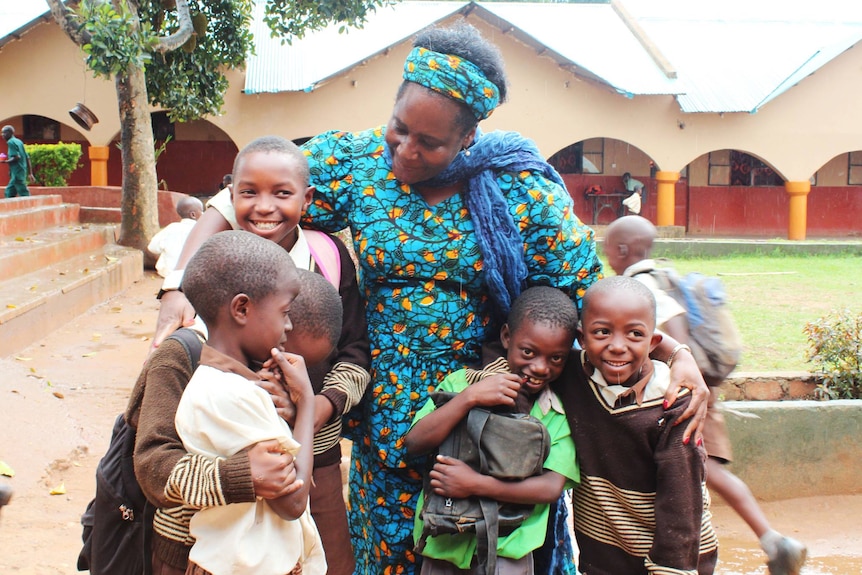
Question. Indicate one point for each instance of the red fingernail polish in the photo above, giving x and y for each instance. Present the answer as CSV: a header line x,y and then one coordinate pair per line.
x,y
665,404
700,442
686,440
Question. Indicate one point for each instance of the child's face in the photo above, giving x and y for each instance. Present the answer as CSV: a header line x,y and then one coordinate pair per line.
x,y
313,348
537,352
269,196
268,320
618,336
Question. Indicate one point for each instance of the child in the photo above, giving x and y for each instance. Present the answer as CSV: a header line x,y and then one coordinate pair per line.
x,y
243,287
537,338
168,243
628,245
640,506
271,192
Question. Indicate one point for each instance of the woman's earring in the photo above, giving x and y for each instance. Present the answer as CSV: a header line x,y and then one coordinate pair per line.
x,y
466,151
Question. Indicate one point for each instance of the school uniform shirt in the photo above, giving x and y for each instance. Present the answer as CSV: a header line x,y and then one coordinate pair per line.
x,y
221,412
666,307
459,549
641,506
168,244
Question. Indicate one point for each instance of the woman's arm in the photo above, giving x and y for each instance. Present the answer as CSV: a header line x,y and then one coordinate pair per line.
x,y
684,373
175,310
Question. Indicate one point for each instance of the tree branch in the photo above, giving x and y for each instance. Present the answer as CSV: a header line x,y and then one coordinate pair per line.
x,y
65,18
183,33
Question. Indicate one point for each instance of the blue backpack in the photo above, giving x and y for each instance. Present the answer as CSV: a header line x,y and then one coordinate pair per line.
x,y
712,333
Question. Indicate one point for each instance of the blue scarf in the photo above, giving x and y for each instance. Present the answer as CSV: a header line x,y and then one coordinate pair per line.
x,y
496,231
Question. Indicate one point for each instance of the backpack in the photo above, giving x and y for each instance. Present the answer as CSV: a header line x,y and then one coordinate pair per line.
x,y
712,333
506,445
118,522
326,255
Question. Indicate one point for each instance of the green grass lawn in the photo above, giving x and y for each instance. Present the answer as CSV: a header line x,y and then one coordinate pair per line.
x,y
772,298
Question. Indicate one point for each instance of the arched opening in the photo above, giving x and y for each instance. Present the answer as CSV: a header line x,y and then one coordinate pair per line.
x,y
593,171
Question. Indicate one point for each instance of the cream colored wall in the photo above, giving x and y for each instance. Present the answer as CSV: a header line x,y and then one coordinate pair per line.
x,y
44,73
808,126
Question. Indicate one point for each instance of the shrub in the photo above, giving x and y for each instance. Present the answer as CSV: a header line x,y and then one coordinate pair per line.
x,y
53,163
835,347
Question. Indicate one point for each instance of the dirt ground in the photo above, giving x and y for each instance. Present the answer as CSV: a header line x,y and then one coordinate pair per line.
x,y
59,398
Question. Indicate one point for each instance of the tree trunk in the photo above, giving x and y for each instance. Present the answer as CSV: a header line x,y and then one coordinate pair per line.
x,y
140,190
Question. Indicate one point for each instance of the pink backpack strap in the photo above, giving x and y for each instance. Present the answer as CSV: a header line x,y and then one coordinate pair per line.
x,y
325,254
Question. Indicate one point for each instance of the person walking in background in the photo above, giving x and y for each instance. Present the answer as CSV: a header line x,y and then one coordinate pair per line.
x,y
19,164
168,243
628,247
637,198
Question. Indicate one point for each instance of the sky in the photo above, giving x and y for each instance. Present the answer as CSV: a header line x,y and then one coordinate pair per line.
x,y
16,13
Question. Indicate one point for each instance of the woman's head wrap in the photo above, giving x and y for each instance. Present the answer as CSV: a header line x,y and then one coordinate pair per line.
x,y
453,77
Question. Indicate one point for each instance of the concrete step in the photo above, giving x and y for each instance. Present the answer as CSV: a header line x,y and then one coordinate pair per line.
x,y
29,252
23,215
32,305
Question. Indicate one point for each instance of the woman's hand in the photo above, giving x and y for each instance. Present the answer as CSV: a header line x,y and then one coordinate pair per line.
x,y
685,373
272,471
175,311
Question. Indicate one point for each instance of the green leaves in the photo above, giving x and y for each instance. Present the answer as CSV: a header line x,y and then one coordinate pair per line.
x,y
53,163
117,39
835,347
293,18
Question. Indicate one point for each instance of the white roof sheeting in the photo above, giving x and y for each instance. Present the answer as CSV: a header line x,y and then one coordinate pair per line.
x,y
320,55
738,62
592,37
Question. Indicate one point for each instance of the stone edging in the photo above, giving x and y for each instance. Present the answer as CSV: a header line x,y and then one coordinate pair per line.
x,y
777,386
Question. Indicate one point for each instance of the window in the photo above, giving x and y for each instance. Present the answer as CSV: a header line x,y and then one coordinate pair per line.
x,y
41,128
162,127
586,157
854,169
734,168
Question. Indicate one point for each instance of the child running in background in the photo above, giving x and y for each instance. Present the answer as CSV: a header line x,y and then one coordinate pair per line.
x,y
538,338
168,243
243,287
628,247
641,506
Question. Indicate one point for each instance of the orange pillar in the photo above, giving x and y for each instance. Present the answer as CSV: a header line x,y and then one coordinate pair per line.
x,y
99,165
798,209
665,203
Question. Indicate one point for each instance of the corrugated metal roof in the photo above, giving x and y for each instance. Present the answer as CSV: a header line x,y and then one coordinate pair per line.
x,y
736,56
592,37
308,62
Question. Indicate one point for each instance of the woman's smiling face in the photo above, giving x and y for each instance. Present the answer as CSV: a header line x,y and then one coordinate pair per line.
x,y
423,135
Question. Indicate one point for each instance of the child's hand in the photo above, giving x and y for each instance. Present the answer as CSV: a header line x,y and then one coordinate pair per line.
x,y
295,375
272,471
498,389
271,382
452,477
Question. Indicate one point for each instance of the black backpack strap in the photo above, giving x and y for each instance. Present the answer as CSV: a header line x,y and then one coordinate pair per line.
x,y
487,533
192,342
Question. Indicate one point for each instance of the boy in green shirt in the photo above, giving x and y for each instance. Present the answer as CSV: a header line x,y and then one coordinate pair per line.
x,y
537,338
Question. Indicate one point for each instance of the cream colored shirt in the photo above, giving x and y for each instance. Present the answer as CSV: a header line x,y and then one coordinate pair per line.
x,y
219,414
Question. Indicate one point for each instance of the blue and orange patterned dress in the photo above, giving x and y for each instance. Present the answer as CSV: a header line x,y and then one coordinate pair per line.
x,y
428,310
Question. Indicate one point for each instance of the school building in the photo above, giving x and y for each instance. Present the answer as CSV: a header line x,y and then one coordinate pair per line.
x,y
740,118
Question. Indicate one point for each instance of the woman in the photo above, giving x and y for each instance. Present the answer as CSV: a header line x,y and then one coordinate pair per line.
x,y
449,225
